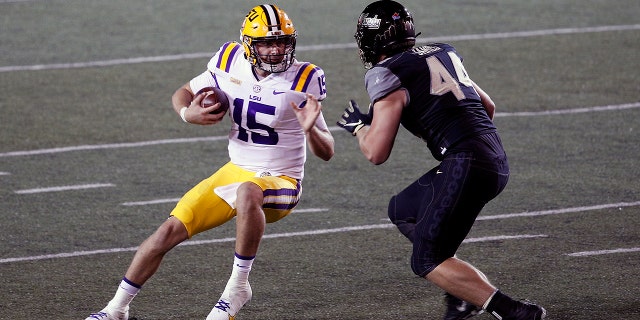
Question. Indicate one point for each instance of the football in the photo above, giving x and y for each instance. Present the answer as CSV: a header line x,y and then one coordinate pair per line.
x,y
214,95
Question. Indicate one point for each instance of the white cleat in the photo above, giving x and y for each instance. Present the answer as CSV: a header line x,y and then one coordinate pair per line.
x,y
231,301
109,315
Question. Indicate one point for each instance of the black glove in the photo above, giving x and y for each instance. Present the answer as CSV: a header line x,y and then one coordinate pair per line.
x,y
353,120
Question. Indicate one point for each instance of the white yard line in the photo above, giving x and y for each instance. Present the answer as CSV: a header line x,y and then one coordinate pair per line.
x,y
65,188
569,111
603,252
333,128
560,211
111,146
330,46
359,228
266,236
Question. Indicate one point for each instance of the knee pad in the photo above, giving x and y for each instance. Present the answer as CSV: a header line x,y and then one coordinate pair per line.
x,y
422,270
406,225
391,210
423,264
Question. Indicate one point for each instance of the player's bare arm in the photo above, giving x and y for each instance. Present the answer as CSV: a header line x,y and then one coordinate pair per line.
x,y
321,142
487,103
184,97
376,141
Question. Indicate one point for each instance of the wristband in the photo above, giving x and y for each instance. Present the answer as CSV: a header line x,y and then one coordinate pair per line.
x,y
357,128
182,112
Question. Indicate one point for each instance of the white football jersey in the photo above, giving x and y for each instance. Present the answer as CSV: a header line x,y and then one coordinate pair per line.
x,y
265,135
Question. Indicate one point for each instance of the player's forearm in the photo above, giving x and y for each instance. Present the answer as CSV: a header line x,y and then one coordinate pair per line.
x,y
181,98
376,151
321,143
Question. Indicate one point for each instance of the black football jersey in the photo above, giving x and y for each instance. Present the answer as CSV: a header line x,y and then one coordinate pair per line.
x,y
443,107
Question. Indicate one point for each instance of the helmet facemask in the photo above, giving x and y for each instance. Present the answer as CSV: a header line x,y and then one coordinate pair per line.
x,y
272,62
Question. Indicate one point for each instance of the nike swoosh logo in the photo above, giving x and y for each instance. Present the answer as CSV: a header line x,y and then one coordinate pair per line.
x,y
353,124
438,172
275,93
462,307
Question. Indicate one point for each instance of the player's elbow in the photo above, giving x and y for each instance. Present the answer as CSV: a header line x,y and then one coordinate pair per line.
x,y
327,155
490,108
323,151
376,153
377,159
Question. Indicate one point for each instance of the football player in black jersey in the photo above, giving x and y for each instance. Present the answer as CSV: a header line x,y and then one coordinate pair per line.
x,y
428,91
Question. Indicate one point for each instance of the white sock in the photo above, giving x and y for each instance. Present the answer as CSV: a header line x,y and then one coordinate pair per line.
x,y
241,268
127,290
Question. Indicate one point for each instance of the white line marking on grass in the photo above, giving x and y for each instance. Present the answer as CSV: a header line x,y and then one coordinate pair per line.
x,y
266,236
332,128
569,111
156,201
331,46
111,146
532,33
65,188
560,211
499,238
107,63
357,228
67,255
310,210
602,252
173,200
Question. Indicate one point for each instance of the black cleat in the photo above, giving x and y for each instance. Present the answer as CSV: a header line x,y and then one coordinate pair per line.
x,y
528,311
458,309
524,310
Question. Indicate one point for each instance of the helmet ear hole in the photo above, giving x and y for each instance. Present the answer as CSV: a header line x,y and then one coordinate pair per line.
x,y
248,50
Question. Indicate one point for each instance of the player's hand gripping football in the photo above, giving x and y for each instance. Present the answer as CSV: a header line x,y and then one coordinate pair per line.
x,y
353,120
198,114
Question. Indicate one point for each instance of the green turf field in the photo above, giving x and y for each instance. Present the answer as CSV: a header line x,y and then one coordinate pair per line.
x,y
92,159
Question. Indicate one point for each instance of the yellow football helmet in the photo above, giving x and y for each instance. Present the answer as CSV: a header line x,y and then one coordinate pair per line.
x,y
271,25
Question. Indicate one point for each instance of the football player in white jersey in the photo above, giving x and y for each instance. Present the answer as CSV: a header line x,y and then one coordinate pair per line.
x,y
275,111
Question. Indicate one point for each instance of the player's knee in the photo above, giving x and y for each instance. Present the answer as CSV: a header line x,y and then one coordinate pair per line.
x,y
406,225
249,190
391,211
250,195
427,255
422,267
167,236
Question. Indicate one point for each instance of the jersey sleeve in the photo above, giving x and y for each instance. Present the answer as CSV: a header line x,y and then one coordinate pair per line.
x,y
379,82
226,55
321,123
310,79
202,80
223,59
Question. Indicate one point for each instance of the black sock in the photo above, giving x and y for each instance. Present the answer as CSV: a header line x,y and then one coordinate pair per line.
x,y
500,305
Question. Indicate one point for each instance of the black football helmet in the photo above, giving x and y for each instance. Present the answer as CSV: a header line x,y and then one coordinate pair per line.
x,y
384,27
